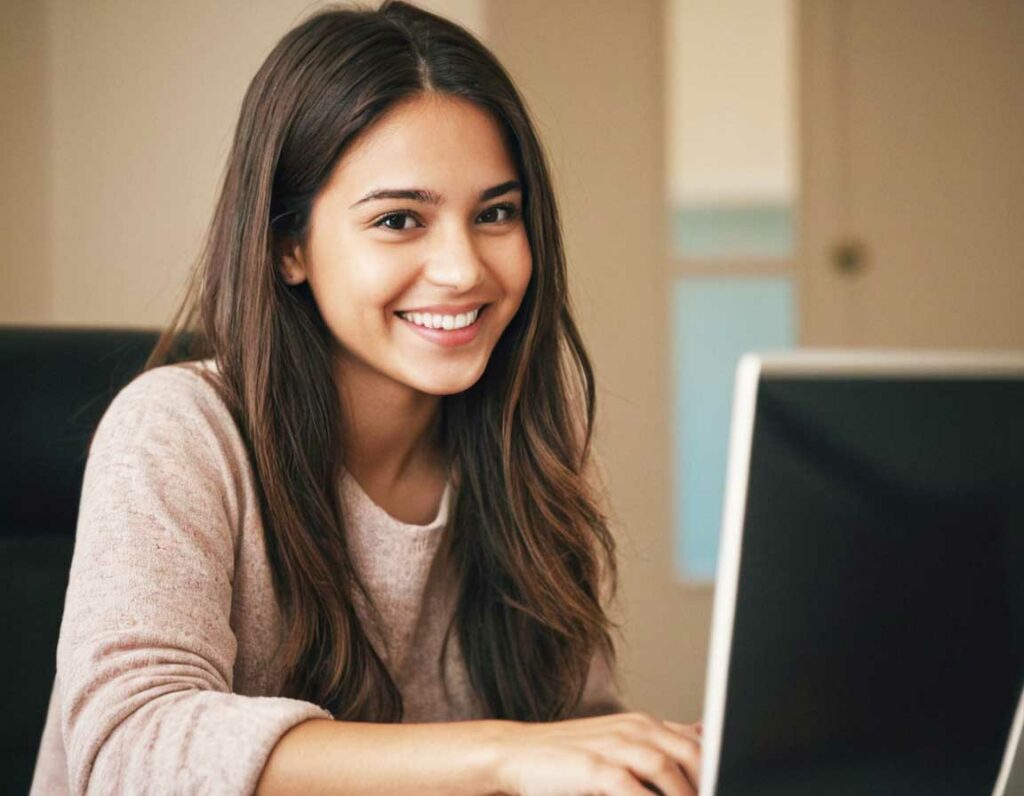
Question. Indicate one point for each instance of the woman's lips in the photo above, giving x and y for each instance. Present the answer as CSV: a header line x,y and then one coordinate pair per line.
x,y
448,337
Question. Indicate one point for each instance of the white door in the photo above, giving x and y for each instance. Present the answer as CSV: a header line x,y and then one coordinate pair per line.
x,y
912,127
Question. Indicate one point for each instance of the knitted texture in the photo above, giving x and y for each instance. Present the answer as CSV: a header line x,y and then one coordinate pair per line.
x,y
168,677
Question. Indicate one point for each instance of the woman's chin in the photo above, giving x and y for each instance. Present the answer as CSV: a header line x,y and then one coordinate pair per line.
x,y
449,380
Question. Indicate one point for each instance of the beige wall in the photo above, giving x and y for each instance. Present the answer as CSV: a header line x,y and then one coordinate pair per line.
x,y
144,100
730,85
26,280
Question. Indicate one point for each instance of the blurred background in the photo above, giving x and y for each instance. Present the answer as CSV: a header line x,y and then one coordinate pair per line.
x,y
733,174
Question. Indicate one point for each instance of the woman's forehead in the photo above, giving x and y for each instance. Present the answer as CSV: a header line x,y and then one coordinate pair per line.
x,y
432,142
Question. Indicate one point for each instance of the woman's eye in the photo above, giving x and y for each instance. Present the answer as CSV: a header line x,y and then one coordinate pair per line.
x,y
509,210
396,221
384,221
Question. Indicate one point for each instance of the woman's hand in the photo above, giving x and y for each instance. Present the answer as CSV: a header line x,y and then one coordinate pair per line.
x,y
622,754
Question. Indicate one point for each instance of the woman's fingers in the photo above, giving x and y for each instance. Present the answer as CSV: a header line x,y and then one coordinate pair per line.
x,y
660,769
683,742
685,748
697,727
632,754
667,758
611,779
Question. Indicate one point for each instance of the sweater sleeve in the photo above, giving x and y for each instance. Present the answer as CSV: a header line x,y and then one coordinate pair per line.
x,y
146,650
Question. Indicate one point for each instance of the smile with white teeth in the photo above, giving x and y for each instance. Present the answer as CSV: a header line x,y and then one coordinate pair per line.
x,y
431,321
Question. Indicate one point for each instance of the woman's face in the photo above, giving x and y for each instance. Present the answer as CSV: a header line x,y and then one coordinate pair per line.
x,y
382,266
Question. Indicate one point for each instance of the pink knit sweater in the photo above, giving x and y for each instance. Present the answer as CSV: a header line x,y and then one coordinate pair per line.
x,y
167,678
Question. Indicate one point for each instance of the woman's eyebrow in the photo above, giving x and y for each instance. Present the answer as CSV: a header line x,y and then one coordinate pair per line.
x,y
432,197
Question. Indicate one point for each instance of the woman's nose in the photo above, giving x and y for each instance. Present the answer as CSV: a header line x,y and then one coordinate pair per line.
x,y
456,263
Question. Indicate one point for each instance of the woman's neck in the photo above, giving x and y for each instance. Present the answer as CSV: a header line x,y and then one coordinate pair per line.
x,y
390,431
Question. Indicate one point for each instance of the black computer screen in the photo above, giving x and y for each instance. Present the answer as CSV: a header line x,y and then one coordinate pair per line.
x,y
878,642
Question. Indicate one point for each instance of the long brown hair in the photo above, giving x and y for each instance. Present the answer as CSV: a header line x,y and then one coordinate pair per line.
x,y
528,537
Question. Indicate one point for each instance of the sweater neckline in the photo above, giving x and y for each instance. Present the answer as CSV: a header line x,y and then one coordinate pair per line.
x,y
356,492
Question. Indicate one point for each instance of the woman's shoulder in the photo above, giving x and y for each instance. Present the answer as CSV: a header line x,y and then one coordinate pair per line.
x,y
176,406
168,444
184,384
180,390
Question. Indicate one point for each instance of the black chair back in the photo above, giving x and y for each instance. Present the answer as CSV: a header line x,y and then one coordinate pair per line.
x,y
55,385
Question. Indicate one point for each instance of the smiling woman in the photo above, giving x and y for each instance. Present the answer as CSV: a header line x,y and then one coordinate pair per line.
x,y
352,544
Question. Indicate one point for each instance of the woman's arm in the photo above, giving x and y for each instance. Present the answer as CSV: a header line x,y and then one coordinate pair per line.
x,y
344,757
614,755
146,654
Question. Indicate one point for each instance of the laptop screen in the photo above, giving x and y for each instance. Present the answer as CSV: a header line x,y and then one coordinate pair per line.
x,y
878,636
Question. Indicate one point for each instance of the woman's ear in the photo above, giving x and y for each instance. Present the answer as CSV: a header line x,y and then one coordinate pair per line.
x,y
293,263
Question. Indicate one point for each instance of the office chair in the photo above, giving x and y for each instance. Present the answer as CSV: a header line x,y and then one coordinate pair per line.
x,y
55,385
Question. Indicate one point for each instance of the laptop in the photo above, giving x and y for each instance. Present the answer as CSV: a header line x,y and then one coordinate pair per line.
x,y
868,622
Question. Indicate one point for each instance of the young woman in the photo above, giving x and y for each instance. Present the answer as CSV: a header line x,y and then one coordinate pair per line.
x,y
352,544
